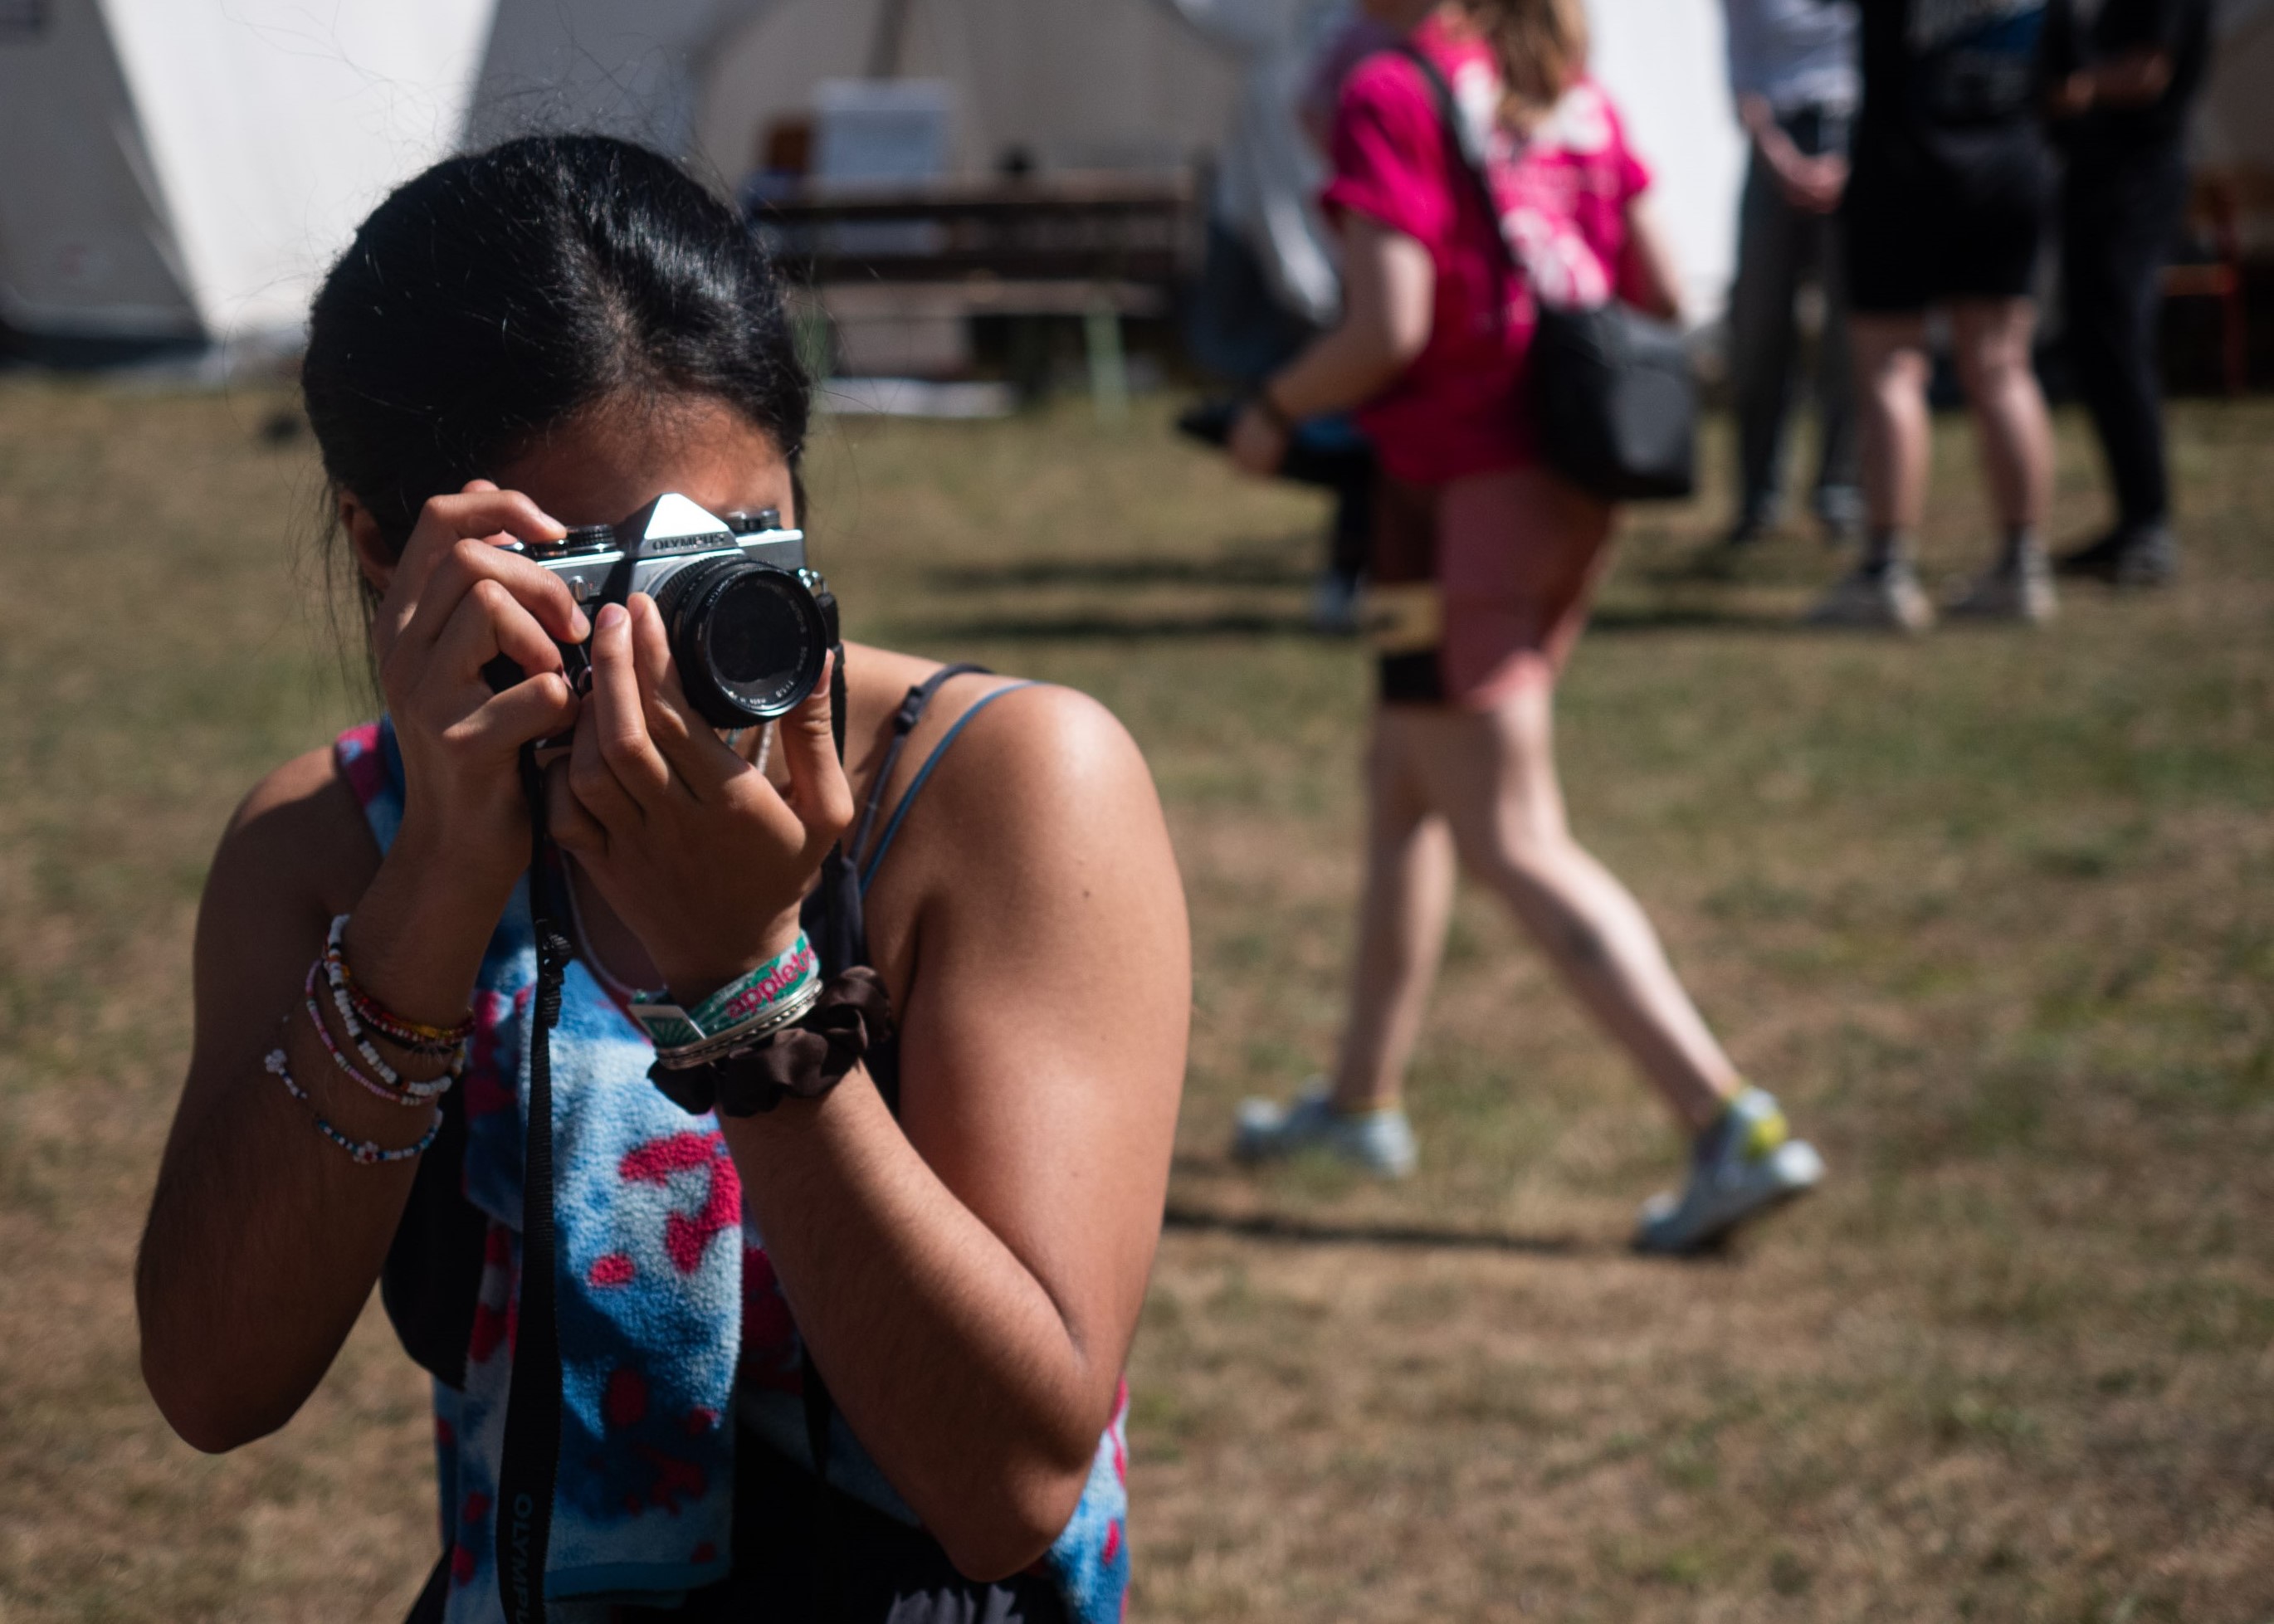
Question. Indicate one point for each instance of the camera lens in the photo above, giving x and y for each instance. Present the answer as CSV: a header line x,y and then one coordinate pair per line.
x,y
748,639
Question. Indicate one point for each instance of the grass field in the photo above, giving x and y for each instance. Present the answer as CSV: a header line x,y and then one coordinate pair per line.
x,y
1994,913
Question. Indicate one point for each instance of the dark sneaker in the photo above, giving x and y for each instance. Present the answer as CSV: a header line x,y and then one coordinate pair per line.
x,y
2135,558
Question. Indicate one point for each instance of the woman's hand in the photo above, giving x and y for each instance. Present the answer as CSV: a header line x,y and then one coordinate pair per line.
x,y
1812,185
1257,444
690,845
456,601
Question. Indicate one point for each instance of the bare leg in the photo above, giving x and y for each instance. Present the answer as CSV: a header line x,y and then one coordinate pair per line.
x,y
1891,375
1492,776
1991,337
1409,896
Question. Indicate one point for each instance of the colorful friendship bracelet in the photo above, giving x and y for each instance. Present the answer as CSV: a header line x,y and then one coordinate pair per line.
x,y
335,970
787,1012
414,1036
364,1153
736,1008
766,985
422,1092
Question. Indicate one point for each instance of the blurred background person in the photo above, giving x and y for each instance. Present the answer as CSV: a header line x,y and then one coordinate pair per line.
x,y
1946,206
1488,561
2124,78
1793,74
1269,284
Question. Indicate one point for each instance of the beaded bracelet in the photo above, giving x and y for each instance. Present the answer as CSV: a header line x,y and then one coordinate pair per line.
x,y
364,1152
335,970
415,1035
734,1038
419,1092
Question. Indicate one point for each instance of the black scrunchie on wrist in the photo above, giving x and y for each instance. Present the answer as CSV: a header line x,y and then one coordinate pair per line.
x,y
803,1061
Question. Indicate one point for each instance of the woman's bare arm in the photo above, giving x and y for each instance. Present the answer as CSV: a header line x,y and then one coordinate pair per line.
x,y
1653,279
263,1240
970,1276
1389,289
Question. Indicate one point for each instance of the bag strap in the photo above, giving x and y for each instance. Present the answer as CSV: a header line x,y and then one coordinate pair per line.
x,y
1461,148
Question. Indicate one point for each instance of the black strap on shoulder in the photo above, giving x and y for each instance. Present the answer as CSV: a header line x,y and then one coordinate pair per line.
x,y
1460,146
533,1411
917,701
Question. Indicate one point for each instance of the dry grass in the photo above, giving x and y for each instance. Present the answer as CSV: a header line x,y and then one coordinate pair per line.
x,y
1994,913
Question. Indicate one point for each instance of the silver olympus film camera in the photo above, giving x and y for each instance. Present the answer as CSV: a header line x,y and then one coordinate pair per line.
x,y
750,625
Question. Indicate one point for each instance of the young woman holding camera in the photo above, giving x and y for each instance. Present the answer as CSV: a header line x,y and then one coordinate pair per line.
x,y
951,1214
1483,564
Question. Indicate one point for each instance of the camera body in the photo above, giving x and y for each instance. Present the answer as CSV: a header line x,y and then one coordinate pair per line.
x,y
750,626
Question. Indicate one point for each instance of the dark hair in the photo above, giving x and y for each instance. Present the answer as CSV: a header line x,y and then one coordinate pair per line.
x,y
500,294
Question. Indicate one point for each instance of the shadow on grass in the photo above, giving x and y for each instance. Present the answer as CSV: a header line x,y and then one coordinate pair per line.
x,y
1089,627
1316,1232
1615,620
1238,569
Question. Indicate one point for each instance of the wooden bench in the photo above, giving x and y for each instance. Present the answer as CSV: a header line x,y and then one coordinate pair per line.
x,y
1100,246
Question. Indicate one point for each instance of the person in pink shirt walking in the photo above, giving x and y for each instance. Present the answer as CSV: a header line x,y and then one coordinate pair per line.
x,y
1484,564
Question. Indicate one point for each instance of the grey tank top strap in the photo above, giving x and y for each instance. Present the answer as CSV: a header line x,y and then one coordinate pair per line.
x,y
871,858
913,706
835,916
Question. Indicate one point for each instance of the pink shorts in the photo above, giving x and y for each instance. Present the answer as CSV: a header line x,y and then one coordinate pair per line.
x,y
1516,554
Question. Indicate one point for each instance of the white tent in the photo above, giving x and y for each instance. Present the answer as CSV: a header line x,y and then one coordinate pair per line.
x,y
1072,84
620,67
186,169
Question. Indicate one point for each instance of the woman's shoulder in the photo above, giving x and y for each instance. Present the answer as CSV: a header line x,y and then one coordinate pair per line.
x,y
1003,763
301,828
1385,85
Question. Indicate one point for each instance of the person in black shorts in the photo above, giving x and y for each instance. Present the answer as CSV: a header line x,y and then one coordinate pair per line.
x,y
1944,206
2125,74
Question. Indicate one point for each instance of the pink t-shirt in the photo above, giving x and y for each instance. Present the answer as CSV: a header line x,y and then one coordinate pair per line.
x,y
1563,194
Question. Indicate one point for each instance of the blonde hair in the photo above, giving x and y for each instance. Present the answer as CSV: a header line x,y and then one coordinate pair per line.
x,y
1542,47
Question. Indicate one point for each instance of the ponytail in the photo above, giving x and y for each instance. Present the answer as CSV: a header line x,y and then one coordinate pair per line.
x,y
1542,47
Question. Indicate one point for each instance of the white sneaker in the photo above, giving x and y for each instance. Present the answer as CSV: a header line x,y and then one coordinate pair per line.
x,y
2021,592
1876,597
1740,1167
1380,1142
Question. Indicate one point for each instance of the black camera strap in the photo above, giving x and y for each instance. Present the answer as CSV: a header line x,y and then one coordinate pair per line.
x,y
533,1411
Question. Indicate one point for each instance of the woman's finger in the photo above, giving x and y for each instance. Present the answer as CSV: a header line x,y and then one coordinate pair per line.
x,y
540,708
490,621
567,818
481,510
472,559
619,716
687,742
819,792
594,782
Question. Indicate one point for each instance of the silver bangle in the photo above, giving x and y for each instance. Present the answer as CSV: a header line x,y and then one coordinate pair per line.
x,y
720,1044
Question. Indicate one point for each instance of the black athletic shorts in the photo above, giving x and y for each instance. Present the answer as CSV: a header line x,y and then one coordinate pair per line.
x,y
1918,233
